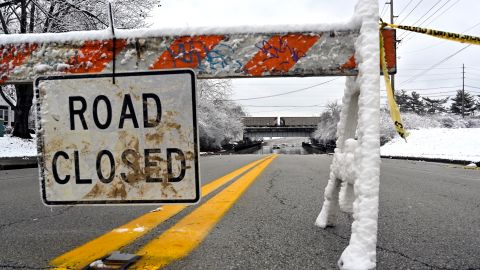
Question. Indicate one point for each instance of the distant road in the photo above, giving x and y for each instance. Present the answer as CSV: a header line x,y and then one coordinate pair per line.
x,y
429,219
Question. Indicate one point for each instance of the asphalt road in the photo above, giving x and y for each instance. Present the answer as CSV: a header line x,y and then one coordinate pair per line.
x,y
429,219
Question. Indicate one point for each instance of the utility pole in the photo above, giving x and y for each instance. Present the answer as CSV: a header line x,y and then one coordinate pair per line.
x,y
463,91
392,77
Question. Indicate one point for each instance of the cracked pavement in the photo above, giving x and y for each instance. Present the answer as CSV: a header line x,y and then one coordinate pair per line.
x,y
428,219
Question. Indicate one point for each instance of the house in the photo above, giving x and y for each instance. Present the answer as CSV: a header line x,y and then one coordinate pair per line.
x,y
6,112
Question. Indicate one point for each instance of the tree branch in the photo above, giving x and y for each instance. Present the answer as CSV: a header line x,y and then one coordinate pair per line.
x,y
86,12
4,4
23,17
7,99
14,12
4,24
32,17
48,15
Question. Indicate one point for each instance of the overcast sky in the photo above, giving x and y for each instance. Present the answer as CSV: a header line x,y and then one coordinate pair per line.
x,y
430,66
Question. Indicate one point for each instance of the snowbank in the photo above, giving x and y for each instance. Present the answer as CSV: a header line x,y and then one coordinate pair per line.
x,y
16,147
444,143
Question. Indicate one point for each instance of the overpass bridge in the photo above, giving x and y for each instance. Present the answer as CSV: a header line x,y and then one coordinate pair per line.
x,y
258,127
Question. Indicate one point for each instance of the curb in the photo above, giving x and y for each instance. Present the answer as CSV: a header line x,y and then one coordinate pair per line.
x,y
439,160
12,163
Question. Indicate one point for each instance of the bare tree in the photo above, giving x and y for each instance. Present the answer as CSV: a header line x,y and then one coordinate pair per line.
x,y
41,16
219,120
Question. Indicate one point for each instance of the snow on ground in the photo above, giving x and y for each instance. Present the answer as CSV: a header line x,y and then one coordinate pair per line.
x,y
15,147
444,143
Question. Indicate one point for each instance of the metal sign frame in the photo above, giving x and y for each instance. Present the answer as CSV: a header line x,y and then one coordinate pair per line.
x,y
41,142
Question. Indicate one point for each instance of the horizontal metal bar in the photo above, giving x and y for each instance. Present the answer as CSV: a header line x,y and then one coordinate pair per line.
x,y
327,53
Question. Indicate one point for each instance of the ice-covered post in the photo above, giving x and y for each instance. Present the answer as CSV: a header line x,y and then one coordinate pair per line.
x,y
357,162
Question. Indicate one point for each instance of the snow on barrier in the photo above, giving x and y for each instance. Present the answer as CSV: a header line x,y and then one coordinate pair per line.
x,y
350,49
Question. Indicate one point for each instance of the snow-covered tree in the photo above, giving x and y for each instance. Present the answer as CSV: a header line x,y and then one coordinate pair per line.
x,y
463,103
219,120
410,103
402,100
41,16
415,103
478,103
327,127
433,105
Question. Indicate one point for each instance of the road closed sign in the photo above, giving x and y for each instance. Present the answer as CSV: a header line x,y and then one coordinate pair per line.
x,y
128,139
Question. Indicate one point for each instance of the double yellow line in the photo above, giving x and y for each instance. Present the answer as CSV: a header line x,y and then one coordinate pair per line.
x,y
181,238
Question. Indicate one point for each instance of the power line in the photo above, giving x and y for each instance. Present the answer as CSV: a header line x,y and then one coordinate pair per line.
x,y
404,8
428,11
448,8
439,74
431,88
285,93
475,68
437,64
443,41
413,36
284,106
383,9
296,109
474,72
406,16
431,68
473,86
445,93
435,12
434,93
434,80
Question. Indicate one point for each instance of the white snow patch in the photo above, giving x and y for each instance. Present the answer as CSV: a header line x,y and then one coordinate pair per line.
x,y
42,68
454,144
121,230
98,264
16,147
160,208
184,31
62,67
139,229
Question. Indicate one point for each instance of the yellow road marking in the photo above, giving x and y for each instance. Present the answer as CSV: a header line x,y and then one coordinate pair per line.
x,y
178,241
463,167
129,232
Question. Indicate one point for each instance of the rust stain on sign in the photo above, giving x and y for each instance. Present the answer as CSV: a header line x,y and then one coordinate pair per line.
x,y
131,142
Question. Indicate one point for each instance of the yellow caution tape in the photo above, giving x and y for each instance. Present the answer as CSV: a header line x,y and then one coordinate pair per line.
x,y
436,33
394,111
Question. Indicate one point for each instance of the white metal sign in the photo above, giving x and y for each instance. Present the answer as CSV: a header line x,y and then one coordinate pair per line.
x,y
128,139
